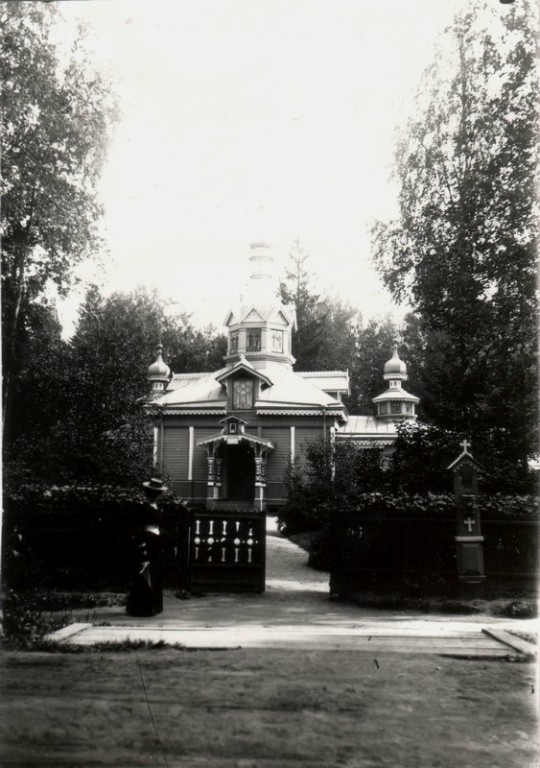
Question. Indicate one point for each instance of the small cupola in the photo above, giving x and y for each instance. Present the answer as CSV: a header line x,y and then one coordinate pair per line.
x,y
158,374
396,404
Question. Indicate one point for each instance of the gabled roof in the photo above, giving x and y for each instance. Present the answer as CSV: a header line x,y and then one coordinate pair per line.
x,y
285,389
223,437
245,366
256,311
464,458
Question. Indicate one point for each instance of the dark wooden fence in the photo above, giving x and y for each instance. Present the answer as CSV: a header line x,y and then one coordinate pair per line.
x,y
419,555
91,547
87,547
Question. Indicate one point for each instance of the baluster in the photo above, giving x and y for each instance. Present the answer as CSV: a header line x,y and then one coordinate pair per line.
x,y
236,550
223,554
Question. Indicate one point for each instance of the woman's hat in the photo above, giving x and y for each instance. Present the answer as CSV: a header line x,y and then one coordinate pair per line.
x,y
155,484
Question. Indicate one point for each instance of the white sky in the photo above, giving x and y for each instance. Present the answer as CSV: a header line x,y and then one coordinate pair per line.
x,y
253,120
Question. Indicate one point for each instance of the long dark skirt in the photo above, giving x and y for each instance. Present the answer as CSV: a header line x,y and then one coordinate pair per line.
x,y
146,596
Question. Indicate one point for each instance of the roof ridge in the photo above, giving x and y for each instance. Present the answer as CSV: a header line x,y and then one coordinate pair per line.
x,y
322,374
190,375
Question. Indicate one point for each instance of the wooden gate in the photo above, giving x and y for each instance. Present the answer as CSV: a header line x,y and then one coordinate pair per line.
x,y
227,552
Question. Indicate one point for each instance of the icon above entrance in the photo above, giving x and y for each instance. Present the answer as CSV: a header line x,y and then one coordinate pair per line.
x,y
236,467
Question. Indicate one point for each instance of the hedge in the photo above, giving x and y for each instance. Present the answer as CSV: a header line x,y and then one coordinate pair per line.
x,y
82,534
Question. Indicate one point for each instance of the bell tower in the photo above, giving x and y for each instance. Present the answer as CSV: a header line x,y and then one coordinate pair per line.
x,y
260,327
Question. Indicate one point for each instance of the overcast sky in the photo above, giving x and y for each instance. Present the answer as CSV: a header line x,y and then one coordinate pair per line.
x,y
248,120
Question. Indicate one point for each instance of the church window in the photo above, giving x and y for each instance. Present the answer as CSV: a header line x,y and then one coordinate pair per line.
x,y
234,342
277,341
395,407
253,340
243,394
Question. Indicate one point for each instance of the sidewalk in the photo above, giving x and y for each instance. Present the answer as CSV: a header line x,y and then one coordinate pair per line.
x,y
296,612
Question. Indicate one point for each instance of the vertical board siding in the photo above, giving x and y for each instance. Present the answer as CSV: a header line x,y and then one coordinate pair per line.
x,y
278,459
304,436
175,452
200,463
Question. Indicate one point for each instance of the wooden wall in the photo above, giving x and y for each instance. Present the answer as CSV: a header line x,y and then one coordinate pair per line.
x,y
175,446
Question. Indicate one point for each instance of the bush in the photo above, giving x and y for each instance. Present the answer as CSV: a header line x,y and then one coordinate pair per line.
x,y
346,479
423,452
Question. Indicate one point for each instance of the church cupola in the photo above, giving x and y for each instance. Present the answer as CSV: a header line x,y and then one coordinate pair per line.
x,y
158,374
260,327
396,404
395,369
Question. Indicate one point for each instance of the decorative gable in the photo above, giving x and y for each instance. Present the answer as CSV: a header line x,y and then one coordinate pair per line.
x,y
253,316
244,368
283,318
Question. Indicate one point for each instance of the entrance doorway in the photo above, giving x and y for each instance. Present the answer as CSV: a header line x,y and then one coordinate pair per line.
x,y
240,473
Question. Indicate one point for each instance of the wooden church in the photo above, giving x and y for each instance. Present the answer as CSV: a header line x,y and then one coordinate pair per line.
x,y
225,439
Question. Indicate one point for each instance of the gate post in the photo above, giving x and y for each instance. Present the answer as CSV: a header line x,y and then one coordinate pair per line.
x,y
260,482
469,539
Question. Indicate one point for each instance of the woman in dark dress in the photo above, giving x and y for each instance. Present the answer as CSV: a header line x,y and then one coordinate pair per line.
x,y
146,596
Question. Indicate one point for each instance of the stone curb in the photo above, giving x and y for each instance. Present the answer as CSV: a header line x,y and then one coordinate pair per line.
x,y
66,633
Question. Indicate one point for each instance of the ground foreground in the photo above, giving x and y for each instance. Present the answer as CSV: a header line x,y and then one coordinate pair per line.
x,y
265,709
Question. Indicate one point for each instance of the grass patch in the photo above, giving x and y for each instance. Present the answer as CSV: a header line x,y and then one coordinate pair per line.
x,y
30,615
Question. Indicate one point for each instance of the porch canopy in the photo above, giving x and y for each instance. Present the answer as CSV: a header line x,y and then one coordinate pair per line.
x,y
230,439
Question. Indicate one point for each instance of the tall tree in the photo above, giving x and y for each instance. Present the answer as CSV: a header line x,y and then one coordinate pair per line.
x,y
191,349
83,401
55,115
325,338
374,343
297,289
463,250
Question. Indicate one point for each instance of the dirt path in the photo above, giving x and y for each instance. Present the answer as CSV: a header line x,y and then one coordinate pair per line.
x,y
264,709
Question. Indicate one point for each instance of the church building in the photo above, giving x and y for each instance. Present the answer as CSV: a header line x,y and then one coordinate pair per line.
x,y
226,439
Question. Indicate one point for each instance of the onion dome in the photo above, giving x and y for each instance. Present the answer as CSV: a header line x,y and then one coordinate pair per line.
x,y
159,372
396,404
395,368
